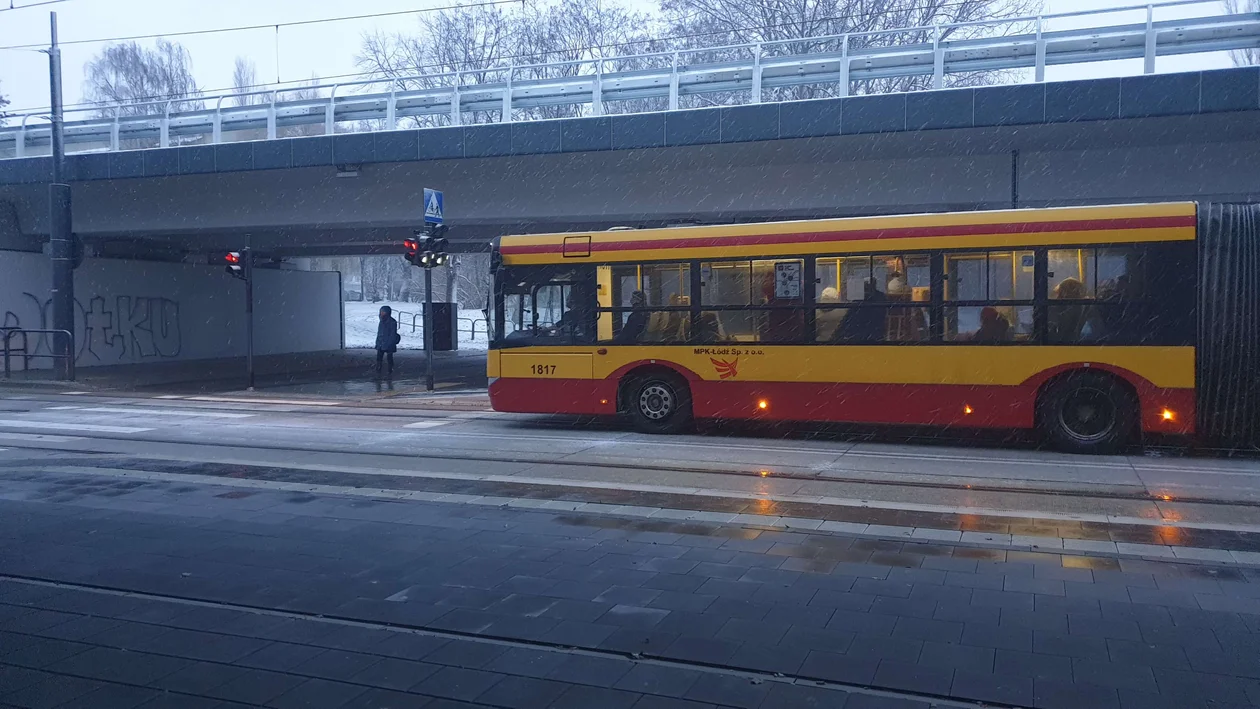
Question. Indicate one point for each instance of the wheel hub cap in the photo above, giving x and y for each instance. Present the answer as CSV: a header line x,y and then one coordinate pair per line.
x,y
656,401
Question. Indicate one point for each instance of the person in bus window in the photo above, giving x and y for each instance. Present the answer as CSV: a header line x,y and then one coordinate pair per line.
x,y
865,324
576,324
829,319
636,323
709,328
677,322
994,327
1113,310
1067,321
904,324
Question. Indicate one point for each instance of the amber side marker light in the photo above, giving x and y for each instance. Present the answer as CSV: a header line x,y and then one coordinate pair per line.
x,y
1168,415
763,404
966,409
603,401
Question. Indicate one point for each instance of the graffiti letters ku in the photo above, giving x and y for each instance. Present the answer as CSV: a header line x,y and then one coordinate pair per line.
x,y
122,330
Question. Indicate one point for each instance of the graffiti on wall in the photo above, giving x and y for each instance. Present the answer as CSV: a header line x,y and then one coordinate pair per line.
x,y
126,329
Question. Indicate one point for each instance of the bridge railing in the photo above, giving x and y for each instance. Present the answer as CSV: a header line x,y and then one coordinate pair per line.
x,y
740,73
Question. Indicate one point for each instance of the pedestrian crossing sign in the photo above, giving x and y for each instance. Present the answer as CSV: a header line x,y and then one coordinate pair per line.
x,y
432,206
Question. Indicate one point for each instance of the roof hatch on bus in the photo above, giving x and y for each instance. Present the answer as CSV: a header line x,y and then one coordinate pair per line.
x,y
577,246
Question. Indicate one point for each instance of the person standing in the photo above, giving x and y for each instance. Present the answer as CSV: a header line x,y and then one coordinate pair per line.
x,y
387,339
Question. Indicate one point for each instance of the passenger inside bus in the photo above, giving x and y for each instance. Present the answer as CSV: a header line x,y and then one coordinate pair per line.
x,y
669,326
904,324
1077,322
829,319
1113,295
578,322
709,328
680,322
636,323
866,324
994,327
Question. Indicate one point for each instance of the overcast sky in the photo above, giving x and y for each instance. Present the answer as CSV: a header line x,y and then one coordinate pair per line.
x,y
328,49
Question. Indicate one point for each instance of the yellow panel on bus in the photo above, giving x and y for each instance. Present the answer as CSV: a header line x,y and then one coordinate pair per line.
x,y
546,365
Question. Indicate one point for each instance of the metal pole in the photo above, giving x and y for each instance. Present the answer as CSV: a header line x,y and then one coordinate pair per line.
x,y
428,328
1014,179
60,239
451,265
938,59
249,315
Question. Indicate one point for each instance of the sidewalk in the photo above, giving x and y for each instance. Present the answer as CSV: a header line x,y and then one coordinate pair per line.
x,y
338,373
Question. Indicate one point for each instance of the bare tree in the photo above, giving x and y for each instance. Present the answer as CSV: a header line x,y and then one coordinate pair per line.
x,y
314,97
483,42
1244,57
787,27
244,80
472,280
123,76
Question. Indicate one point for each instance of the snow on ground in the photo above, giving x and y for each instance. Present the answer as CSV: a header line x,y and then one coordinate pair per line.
x,y
361,319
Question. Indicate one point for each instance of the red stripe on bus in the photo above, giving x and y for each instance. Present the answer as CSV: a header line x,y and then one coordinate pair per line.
x,y
965,405
870,234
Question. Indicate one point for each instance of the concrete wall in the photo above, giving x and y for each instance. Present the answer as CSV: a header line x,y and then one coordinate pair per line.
x,y
309,210
131,311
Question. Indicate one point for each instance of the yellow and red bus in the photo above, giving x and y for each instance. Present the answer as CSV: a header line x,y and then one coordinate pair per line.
x,y
1079,321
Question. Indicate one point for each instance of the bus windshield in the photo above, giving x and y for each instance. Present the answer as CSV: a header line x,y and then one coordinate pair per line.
x,y
548,305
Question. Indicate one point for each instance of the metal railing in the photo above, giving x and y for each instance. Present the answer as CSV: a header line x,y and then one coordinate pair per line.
x,y
835,61
417,323
472,327
28,355
414,316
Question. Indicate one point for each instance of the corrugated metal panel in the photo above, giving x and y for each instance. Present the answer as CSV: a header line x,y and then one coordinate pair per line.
x,y
1229,324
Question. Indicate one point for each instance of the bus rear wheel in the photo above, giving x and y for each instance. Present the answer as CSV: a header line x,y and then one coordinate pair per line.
x,y
1088,413
658,403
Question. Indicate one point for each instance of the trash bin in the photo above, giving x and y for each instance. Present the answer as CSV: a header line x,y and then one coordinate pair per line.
x,y
445,327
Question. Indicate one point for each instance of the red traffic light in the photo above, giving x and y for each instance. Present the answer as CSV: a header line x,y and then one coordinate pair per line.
x,y
411,244
232,257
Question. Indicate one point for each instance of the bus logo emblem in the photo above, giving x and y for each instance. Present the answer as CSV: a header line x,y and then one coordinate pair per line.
x,y
725,370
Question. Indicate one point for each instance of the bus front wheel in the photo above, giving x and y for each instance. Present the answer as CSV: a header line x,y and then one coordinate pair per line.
x,y
658,403
1088,412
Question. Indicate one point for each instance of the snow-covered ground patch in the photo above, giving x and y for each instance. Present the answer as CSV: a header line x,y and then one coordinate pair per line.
x,y
361,320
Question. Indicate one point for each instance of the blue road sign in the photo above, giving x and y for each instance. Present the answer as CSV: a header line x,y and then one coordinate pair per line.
x,y
432,206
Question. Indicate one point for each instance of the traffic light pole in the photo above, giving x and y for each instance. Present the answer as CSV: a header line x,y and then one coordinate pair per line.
x,y
249,315
428,329
427,249
60,239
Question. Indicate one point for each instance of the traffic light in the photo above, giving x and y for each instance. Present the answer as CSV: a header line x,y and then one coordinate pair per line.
x,y
426,250
235,264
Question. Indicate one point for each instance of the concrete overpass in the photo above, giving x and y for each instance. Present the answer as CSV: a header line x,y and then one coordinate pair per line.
x,y
1144,138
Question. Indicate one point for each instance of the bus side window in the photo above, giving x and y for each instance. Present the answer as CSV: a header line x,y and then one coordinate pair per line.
x,y
647,304
1096,294
989,296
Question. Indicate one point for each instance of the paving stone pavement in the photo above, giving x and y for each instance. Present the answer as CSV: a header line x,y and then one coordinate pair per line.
x,y
121,593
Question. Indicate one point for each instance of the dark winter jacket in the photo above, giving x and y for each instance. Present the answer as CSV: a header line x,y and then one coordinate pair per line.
x,y
387,335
